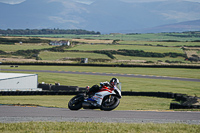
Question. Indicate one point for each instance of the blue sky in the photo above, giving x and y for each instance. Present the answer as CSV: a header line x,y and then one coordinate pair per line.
x,y
90,1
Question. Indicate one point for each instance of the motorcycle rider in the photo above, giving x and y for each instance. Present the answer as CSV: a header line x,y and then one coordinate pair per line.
x,y
95,88
114,82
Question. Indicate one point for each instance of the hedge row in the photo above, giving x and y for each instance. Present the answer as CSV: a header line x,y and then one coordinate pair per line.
x,y
24,40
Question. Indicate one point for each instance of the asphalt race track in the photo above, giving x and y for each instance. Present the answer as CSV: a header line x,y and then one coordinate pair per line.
x,y
9,114
109,74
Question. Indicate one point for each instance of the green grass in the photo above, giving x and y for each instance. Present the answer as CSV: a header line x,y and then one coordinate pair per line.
x,y
126,102
88,47
137,37
53,56
172,72
60,55
154,59
92,127
12,48
128,84
154,43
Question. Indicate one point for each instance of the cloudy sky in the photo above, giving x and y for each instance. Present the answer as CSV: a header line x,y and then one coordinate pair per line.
x,y
90,1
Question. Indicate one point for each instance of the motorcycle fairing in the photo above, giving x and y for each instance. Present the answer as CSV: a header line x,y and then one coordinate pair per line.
x,y
104,91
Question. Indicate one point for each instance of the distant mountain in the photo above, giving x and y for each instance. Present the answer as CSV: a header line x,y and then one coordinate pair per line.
x,y
105,16
177,27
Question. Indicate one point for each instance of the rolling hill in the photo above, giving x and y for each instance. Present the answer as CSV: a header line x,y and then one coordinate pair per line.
x,y
105,16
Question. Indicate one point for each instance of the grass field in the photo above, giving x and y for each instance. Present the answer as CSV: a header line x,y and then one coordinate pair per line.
x,y
129,43
172,72
154,59
126,103
92,127
46,55
60,55
154,43
12,48
88,47
128,84
136,37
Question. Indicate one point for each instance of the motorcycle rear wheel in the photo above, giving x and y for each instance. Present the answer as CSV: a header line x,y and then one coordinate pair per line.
x,y
76,102
109,104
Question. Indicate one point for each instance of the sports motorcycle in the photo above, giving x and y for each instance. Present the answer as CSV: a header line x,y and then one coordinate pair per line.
x,y
106,98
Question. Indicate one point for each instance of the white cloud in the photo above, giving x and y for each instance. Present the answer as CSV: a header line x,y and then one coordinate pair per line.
x,y
85,1
62,20
12,1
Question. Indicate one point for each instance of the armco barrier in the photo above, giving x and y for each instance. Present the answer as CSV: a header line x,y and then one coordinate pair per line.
x,y
21,93
49,87
64,88
182,106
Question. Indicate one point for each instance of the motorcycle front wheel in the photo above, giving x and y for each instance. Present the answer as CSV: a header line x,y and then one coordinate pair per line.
x,y
76,102
109,103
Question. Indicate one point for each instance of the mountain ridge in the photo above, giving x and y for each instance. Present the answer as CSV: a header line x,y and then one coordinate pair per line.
x,y
105,16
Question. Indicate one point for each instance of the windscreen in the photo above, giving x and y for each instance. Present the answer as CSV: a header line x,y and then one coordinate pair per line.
x,y
119,86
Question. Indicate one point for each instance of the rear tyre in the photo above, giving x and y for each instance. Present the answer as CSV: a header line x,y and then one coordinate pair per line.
x,y
76,102
110,103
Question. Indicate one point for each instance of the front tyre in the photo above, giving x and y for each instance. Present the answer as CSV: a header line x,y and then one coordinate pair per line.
x,y
76,102
109,103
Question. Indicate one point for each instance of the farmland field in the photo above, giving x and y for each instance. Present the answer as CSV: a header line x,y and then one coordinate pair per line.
x,y
60,55
124,37
129,59
12,48
154,48
155,43
87,47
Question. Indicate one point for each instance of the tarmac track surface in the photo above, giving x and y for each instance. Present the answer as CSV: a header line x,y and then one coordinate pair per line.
x,y
109,74
10,114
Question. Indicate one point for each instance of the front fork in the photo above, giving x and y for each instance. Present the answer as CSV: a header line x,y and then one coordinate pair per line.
x,y
109,99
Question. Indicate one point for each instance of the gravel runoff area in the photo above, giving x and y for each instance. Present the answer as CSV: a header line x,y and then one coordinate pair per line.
x,y
13,114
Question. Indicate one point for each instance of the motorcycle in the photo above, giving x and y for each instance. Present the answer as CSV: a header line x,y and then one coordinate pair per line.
x,y
105,98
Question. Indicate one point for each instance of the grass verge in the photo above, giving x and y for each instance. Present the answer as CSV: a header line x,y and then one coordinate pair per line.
x,y
128,83
172,72
126,102
91,127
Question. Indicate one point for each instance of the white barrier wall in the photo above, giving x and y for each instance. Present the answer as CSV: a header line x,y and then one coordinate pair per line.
x,y
17,81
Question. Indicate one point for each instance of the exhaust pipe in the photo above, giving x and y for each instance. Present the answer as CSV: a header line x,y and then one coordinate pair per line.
x,y
86,104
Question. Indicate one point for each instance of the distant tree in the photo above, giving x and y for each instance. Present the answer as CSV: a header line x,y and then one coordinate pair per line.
x,y
46,31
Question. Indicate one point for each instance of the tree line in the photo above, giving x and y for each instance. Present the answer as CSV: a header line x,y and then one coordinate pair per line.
x,y
45,31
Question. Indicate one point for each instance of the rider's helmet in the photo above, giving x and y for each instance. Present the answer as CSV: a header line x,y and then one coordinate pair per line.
x,y
114,82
